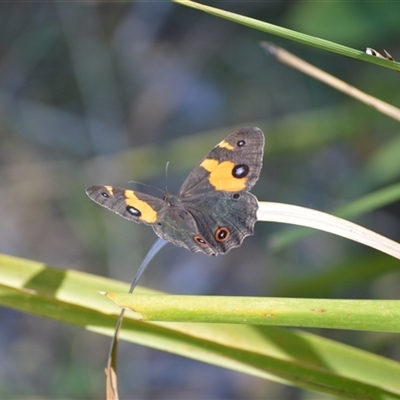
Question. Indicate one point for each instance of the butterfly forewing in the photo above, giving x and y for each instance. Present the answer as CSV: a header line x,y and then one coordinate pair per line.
x,y
132,205
234,165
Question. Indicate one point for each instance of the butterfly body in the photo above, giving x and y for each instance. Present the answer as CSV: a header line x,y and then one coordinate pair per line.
x,y
213,211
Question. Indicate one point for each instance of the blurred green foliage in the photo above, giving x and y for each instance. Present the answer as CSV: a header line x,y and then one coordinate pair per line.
x,y
105,93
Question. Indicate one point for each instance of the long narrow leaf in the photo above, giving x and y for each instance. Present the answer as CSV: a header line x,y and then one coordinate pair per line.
x,y
362,205
292,35
371,315
296,358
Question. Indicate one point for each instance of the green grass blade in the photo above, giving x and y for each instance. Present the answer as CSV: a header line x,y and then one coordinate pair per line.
x,y
292,35
360,206
370,315
292,357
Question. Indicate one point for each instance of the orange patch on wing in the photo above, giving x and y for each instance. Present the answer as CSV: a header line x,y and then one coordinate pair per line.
x,y
209,164
148,214
226,145
109,190
221,177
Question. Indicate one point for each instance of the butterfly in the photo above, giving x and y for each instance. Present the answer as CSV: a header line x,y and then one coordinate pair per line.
x,y
213,211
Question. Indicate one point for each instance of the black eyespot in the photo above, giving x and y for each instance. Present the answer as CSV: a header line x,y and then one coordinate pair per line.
x,y
133,211
222,234
236,196
159,223
241,143
199,240
105,194
240,171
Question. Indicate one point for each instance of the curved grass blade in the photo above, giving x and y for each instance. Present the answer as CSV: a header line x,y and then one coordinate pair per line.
x,y
292,357
291,35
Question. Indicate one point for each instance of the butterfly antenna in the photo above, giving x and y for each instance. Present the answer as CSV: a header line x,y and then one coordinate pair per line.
x,y
166,176
145,184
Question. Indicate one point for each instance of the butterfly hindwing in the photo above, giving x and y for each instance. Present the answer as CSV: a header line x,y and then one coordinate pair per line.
x,y
224,219
179,226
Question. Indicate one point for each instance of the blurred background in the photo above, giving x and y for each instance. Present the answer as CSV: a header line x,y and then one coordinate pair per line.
x,y
107,93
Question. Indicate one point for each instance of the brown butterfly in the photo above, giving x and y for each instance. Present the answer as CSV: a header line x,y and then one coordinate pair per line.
x,y
213,211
